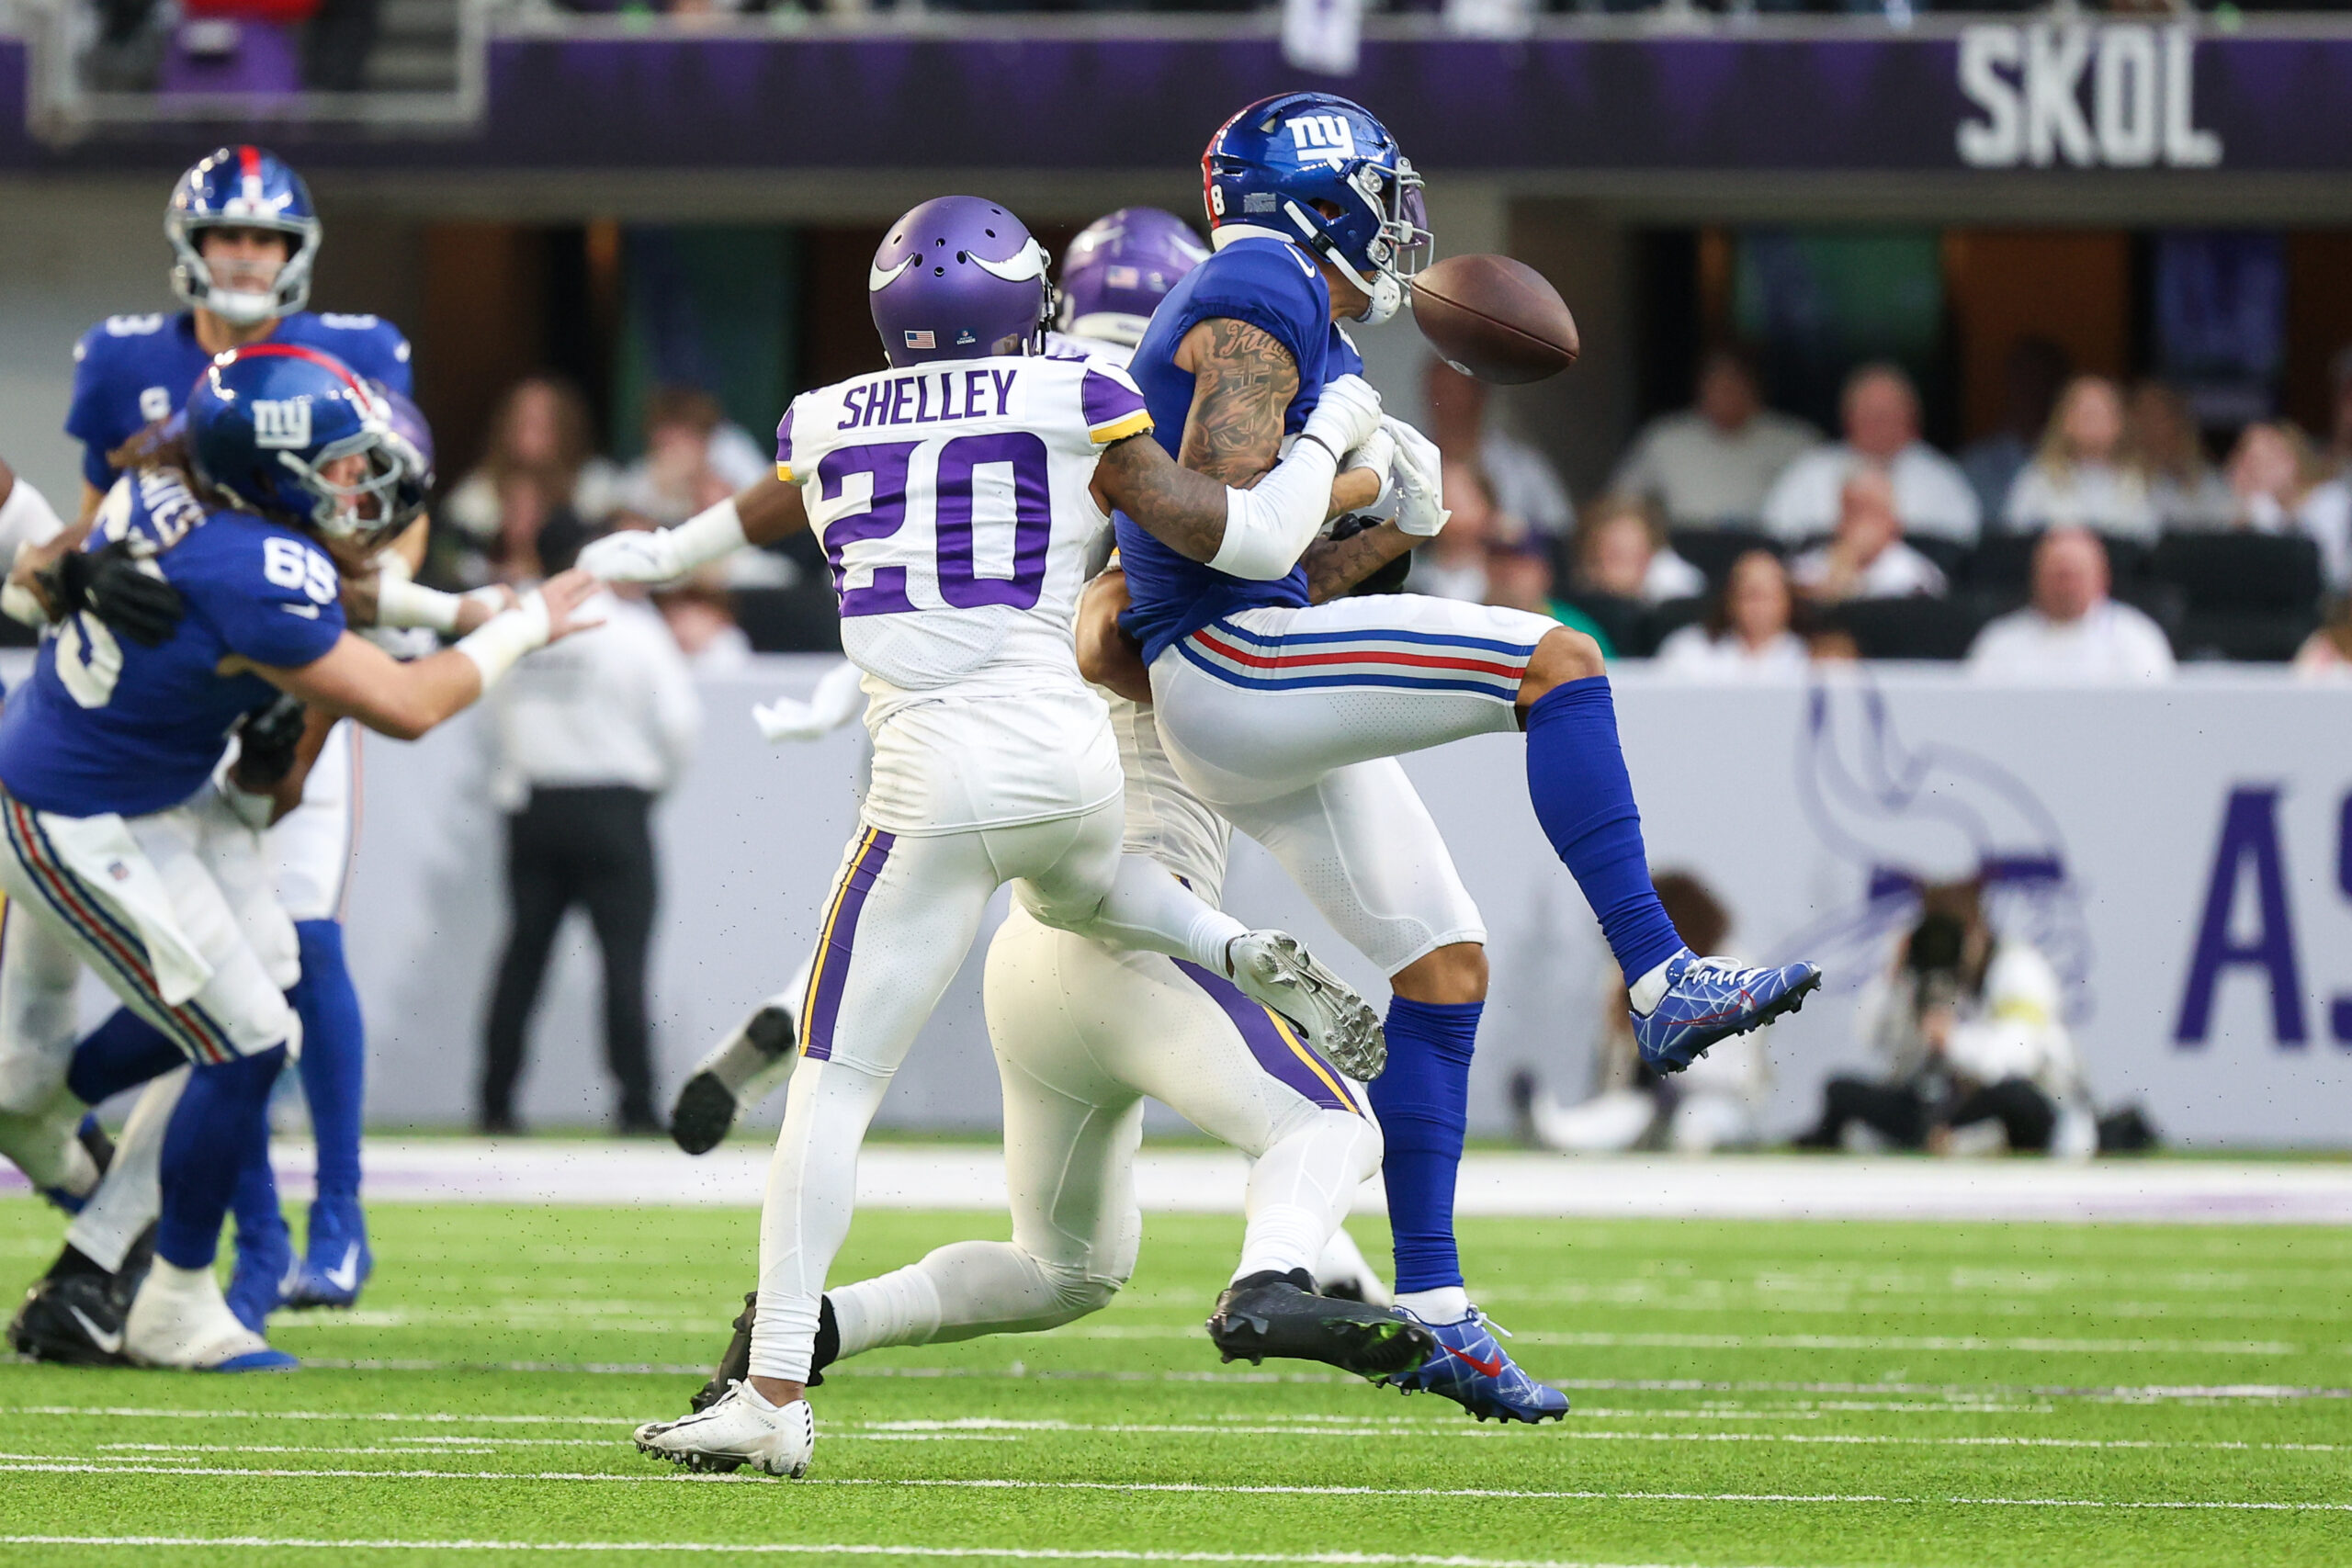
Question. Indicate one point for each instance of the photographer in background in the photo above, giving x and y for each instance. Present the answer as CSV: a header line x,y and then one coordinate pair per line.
x,y
1970,1033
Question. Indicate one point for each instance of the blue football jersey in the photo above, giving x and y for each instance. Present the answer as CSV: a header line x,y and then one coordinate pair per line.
x,y
105,723
1274,286
130,371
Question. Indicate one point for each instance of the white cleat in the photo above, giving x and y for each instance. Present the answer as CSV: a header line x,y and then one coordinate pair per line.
x,y
742,1429
180,1319
1275,969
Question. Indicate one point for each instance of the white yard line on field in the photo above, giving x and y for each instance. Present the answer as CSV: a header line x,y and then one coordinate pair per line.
x,y
1492,1493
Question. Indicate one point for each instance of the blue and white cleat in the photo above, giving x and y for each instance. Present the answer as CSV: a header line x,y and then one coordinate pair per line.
x,y
266,1271
1470,1369
179,1319
337,1260
1709,1000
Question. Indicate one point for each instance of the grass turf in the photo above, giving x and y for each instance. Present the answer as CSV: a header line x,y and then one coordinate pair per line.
x,y
1750,1394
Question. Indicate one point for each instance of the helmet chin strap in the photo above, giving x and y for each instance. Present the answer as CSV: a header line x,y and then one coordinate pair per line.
x,y
1384,293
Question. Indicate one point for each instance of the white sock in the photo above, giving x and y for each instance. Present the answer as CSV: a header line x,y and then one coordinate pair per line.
x,y
1300,1190
1151,910
1447,1304
1650,990
961,1291
1343,1260
812,1190
130,1197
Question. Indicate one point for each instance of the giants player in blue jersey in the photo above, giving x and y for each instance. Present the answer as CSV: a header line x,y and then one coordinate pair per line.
x,y
1286,714
113,839
244,237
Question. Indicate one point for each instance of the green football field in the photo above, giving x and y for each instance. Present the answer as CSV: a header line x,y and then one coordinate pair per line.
x,y
1747,1393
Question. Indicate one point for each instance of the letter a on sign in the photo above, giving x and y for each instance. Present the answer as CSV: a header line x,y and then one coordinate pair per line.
x,y
2249,842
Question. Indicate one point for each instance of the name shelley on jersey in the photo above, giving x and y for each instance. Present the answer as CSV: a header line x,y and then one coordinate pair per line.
x,y
888,402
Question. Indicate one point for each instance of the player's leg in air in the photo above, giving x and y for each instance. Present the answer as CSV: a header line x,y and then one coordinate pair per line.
x,y
1286,713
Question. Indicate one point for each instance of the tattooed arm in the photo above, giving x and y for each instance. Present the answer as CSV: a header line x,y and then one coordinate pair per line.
x,y
1334,566
1243,383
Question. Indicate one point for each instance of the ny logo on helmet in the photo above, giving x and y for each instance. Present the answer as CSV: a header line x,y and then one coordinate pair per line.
x,y
282,424
1324,138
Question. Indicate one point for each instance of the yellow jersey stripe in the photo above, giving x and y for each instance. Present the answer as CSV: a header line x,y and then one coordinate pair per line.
x,y
825,938
1134,423
1314,1063
784,472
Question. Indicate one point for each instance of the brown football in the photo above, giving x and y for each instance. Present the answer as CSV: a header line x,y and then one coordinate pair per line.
x,y
1494,318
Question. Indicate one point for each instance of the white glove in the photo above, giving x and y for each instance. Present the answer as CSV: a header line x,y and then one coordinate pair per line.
x,y
837,699
1379,454
1421,485
1346,416
635,555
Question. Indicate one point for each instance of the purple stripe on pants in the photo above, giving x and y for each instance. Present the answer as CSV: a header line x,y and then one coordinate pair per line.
x,y
1266,1043
832,961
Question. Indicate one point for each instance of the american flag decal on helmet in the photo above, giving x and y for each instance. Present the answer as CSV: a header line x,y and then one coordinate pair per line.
x,y
921,340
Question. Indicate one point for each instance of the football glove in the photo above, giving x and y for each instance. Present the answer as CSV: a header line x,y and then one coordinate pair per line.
x,y
1421,488
113,584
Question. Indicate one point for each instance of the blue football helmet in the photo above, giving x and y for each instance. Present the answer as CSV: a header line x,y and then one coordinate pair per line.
x,y
265,420
410,439
1322,172
241,188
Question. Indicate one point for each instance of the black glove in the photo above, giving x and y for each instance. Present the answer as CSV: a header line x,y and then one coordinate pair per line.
x,y
1389,579
109,583
267,739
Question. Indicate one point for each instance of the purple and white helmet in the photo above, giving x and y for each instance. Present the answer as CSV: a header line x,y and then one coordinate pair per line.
x,y
1119,268
959,277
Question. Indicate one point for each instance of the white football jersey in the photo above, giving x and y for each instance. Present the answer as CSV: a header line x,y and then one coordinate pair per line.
x,y
953,504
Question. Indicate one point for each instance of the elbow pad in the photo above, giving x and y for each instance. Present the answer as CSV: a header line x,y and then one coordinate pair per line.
x,y
1267,528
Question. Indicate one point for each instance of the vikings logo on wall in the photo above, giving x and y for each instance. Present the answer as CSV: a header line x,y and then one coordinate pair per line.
x,y
1908,816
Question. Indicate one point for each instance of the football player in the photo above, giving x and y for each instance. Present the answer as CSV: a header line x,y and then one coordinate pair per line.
x,y
1287,715
957,495
113,846
244,238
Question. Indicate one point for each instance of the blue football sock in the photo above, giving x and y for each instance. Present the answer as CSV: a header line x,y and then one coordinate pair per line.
x,y
122,1053
1422,1102
335,1054
221,1118
1584,798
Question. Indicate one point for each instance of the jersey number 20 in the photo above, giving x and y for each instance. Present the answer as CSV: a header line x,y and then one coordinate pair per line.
x,y
960,584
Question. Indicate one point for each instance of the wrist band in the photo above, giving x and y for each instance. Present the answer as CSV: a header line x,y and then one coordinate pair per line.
x,y
497,643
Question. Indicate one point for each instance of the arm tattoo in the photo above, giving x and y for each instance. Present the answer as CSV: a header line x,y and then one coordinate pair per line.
x,y
1243,382
1183,510
1334,566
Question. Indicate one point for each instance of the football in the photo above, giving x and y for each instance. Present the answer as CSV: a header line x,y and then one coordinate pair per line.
x,y
1494,318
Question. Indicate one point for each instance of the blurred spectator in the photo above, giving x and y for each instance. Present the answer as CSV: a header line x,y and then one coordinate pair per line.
x,y
587,734
1622,551
2086,473
702,619
1969,1032
2182,486
1454,565
1748,634
1519,578
1881,410
1710,1105
2278,485
2339,440
695,458
2326,654
1712,464
2032,375
2072,632
1520,481
1866,559
539,468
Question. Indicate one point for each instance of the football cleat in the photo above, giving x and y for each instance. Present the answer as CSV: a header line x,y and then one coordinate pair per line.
x,y
336,1260
736,1364
1277,971
739,1429
180,1319
706,1107
1344,1273
1709,1000
1471,1369
73,1319
74,1181
266,1269
1267,1313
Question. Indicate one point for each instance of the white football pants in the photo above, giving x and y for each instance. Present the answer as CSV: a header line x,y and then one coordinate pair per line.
x,y
901,916
1082,1035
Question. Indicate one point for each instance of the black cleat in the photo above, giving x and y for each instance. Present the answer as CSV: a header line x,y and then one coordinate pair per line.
x,y
736,1364
1280,1314
706,1107
75,1320
93,1138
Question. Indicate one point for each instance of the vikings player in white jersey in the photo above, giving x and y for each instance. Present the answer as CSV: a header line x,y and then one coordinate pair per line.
x,y
957,495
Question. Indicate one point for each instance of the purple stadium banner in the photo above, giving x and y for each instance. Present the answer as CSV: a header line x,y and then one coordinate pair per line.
x,y
1986,96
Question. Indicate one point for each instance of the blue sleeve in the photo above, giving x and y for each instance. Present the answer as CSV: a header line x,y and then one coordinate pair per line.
x,y
273,597
91,416
1274,287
